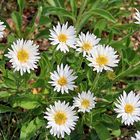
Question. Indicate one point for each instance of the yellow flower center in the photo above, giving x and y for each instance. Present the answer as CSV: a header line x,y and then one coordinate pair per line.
x,y
60,118
129,108
102,60
85,103
23,56
62,81
87,47
62,38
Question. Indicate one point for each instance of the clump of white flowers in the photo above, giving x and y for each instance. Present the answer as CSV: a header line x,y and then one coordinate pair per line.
x,y
24,56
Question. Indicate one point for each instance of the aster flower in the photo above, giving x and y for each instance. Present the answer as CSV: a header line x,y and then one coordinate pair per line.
x,y
137,136
85,101
103,57
128,108
23,55
2,28
86,43
137,17
63,79
63,36
61,119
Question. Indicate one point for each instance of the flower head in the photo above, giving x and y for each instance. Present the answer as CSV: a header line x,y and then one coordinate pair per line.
x,y
61,119
128,108
137,135
2,28
85,101
63,79
103,57
86,43
63,36
137,17
23,55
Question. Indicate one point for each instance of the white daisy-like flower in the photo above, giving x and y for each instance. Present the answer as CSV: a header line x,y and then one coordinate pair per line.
x,y
23,55
137,17
63,36
86,43
128,108
2,28
103,57
61,119
85,101
63,79
137,136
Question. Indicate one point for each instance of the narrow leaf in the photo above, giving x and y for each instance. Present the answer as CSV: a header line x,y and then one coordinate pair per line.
x,y
57,11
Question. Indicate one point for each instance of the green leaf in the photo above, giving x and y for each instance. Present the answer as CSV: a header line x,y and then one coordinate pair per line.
x,y
57,11
17,18
39,83
4,109
51,2
125,26
45,21
87,15
102,131
116,133
103,13
29,129
134,85
4,94
26,101
101,24
74,7
44,64
43,34
59,3
21,4
11,38
9,82
27,104
84,20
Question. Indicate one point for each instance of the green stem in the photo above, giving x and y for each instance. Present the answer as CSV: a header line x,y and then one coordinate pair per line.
x,y
83,6
17,84
95,82
65,97
18,80
91,116
123,73
83,119
80,63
